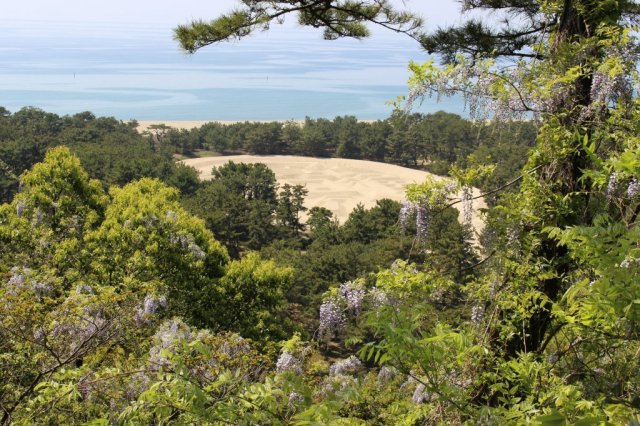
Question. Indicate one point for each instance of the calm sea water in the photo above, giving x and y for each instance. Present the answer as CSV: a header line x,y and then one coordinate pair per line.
x,y
138,72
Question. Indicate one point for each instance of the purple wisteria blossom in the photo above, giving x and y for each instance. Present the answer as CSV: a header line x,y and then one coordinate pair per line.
x,y
633,188
345,366
84,289
169,336
467,205
387,374
20,207
612,185
420,395
378,298
150,306
477,314
353,293
188,242
332,319
294,399
405,212
289,363
422,222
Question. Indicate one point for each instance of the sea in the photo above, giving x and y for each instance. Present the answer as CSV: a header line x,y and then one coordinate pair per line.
x,y
137,71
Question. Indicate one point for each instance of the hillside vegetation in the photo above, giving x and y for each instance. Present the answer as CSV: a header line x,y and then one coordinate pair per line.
x,y
125,300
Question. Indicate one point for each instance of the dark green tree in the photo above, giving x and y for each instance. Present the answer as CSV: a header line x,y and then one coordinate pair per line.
x,y
348,134
264,138
374,140
291,206
238,205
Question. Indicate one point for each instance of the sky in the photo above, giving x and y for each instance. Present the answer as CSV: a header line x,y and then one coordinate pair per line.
x,y
174,12
118,58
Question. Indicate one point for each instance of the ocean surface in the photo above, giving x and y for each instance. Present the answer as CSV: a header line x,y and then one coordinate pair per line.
x,y
137,71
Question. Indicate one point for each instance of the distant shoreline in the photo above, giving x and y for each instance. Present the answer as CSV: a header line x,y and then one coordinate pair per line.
x,y
192,124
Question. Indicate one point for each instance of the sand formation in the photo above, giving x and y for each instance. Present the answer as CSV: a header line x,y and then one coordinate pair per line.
x,y
335,183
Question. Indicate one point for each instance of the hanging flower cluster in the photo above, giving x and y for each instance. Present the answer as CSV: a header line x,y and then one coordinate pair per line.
x,y
348,302
170,335
353,294
345,366
287,362
150,306
467,205
503,94
332,319
633,188
426,200
386,374
477,314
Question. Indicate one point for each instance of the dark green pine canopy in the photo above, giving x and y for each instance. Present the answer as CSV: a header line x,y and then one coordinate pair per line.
x,y
520,27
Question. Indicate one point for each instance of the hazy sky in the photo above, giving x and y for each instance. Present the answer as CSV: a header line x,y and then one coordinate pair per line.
x,y
173,12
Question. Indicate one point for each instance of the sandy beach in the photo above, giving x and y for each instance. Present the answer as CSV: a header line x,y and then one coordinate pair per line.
x,y
192,124
335,183
144,125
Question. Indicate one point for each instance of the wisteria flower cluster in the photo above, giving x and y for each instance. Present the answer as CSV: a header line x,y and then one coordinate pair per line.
x,y
332,319
477,314
629,262
425,199
616,186
294,399
348,302
84,289
287,362
422,218
386,374
353,293
70,336
420,394
150,220
612,81
20,207
137,384
467,205
19,281
149,307
341,375
234,346
38,217
187,242
607,88
345,367
634,188
170,335
336,383
378,298
487,92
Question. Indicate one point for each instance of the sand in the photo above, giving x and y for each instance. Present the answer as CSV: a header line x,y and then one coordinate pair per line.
x,y
335,183
192,124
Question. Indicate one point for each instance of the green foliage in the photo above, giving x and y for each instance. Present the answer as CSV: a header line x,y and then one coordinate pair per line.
x,y
85,278
250,298
339,19
542,330
545,332
290,206
239,206
147,237
110,150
